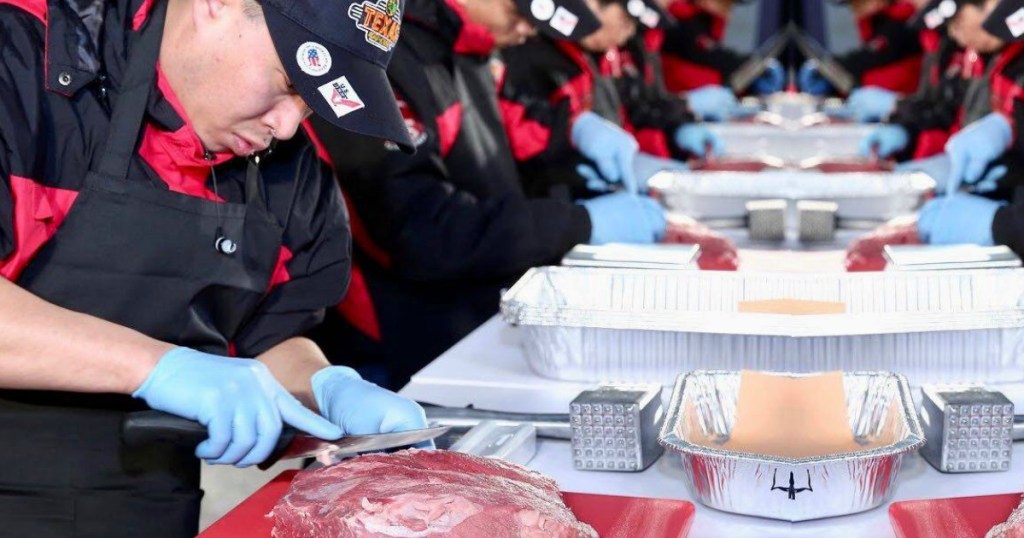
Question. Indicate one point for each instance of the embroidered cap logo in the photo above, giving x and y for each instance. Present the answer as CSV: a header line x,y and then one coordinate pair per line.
x,y
379,21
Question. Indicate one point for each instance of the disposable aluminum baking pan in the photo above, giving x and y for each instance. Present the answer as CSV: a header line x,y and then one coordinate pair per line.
x,y
791,145
879,406
860,196
591,324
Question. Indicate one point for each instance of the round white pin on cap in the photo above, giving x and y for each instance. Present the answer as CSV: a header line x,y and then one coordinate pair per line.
x,y
947,8
313,58
542,9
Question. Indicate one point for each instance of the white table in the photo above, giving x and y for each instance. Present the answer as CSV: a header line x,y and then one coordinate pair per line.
x,y
487,369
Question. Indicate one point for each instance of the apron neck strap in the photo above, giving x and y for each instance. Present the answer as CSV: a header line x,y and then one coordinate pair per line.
x,y
130,103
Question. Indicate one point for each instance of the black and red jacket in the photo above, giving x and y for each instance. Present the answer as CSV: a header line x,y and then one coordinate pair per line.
x,y
938,109
547,84
1006,88
891,54
653,114
692,53
445,229
59,60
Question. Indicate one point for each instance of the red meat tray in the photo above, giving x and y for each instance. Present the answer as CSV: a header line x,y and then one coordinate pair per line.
x,y
962,517
611,516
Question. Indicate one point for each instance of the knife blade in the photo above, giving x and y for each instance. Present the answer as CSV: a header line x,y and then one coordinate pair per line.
x,y
149,427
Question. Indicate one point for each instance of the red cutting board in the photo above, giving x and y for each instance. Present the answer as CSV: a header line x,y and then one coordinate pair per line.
x,y
962,517
611,516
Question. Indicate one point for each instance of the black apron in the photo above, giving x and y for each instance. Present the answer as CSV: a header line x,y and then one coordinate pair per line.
x,y
181,269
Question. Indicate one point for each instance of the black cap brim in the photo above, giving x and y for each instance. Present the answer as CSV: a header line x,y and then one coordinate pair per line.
x,y
363,101
1006,21
561,19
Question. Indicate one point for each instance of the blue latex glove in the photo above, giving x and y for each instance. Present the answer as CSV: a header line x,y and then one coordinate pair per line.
x,y
871,103
238,400
610,147
885,140
594,180
811,81
957,219
772,80
938,167
697,138
624,218
973,149
647,166
712,103
360,407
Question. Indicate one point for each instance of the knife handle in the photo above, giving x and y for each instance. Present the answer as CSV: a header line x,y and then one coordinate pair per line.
x,y
142,428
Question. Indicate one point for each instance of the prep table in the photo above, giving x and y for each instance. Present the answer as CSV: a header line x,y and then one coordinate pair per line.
x,y
487,369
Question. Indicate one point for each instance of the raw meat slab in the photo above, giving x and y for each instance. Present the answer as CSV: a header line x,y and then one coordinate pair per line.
x,y
611,516
961,517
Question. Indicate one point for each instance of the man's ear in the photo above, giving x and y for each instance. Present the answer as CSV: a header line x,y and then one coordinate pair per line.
x,y
206,12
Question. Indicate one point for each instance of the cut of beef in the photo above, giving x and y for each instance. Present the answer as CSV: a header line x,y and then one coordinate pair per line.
x,y
1012,528
424,494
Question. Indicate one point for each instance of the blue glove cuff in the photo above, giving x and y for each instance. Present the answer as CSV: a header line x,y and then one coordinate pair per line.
x,y
167,364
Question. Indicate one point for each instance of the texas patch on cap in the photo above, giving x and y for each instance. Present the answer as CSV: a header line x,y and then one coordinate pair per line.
x,y
336,54
1006,21
560,19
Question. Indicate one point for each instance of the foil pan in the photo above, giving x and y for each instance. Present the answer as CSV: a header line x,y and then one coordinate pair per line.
x,y
790,145
591,324
860,196
879,406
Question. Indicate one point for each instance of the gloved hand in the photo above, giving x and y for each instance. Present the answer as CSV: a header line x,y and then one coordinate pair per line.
x,y
717,252
610,147
885,140
938,167
359,407
624,218
646,166
697,139
772,80
957,218
972,149
871,103
712,103
238,400
865,254
810,80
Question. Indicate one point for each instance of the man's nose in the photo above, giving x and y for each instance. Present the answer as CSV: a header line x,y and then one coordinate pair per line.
x,y
288,115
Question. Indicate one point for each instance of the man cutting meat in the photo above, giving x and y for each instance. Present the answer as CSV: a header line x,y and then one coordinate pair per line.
x,y
147,232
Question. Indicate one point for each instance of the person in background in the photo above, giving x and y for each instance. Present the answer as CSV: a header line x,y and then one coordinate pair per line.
x,y
558,87
440,233
983,203
961,97
696,64
155,253
890,57
873,103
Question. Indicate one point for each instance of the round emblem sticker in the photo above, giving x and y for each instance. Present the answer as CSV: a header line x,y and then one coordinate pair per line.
x,y
947,8
542,10
313,59
636,8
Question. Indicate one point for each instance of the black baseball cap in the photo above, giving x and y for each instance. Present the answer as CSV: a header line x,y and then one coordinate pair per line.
x,y
336,54
1006,21
560,19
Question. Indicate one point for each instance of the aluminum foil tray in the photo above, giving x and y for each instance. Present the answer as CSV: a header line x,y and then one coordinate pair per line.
x,y
791,145
879,406
861,196
590,324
